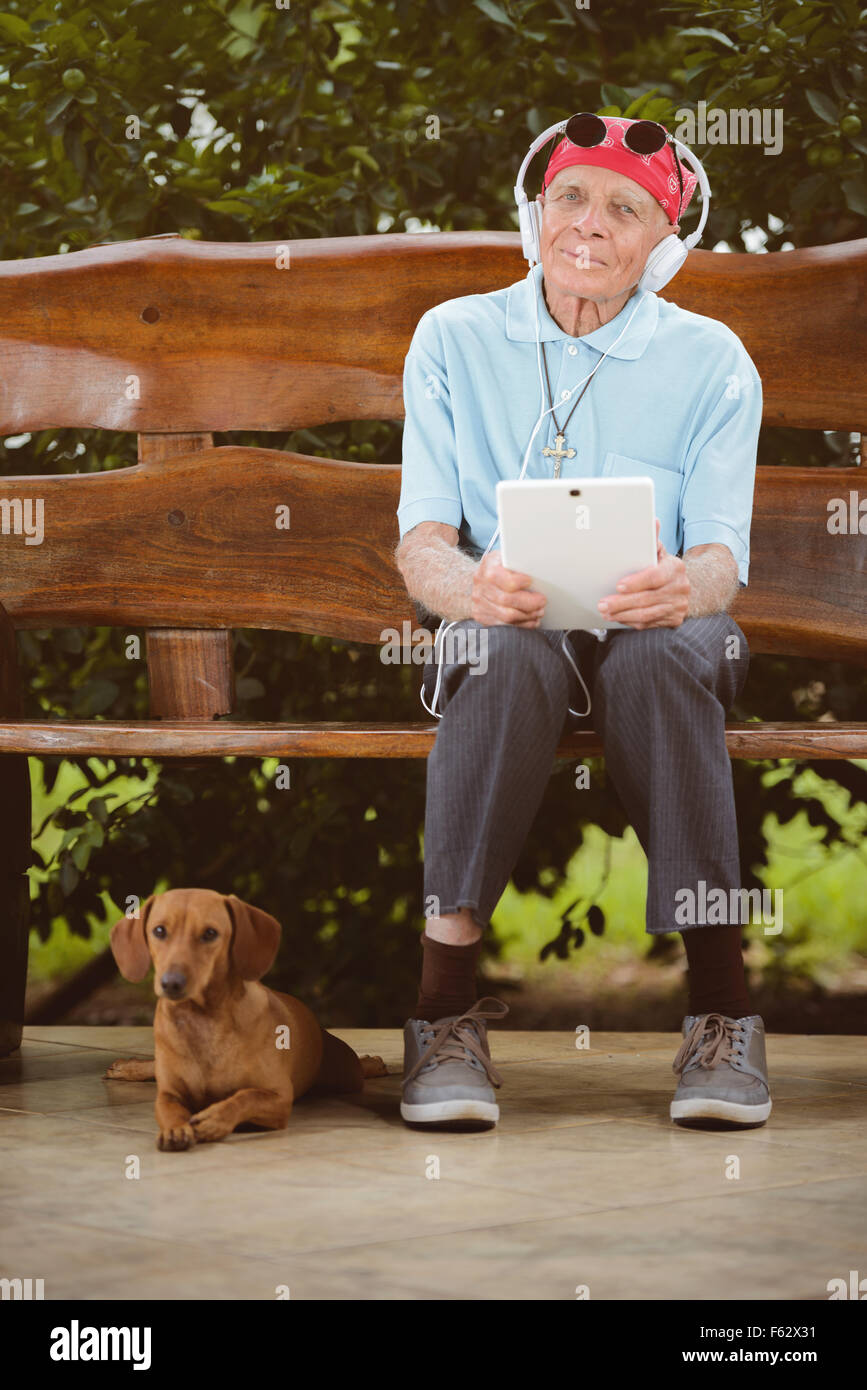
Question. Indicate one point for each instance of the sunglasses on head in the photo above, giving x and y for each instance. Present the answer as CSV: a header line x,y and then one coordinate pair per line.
x,y
641,137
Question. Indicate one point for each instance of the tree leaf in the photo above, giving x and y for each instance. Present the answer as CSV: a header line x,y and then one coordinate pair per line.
x,y
80,854
635,107
229,205
762,86
690,73
15,28
59,104
656,109
805,191
93,834
855,194
823,106
699,33
364,155
68,876
493,12
612,95
247,21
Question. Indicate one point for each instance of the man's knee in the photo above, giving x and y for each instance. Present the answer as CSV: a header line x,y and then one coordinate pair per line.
x,y
712,649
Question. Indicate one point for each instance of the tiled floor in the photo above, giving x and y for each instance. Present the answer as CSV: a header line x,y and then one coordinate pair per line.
x,y
585,1181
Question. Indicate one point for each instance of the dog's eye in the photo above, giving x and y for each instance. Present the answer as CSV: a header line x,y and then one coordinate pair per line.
x,y
158,931
210,933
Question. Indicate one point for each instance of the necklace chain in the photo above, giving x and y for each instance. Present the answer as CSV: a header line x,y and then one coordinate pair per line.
x,y
558,452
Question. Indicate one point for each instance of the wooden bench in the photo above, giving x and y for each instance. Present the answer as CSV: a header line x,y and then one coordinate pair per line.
x,y
175,339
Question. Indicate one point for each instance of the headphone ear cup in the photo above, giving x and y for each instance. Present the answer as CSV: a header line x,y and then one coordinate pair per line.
x,y
536,219
530,222
663,263
525,222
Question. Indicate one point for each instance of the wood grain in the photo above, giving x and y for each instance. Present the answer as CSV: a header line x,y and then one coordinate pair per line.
x,y
192,540
221,738
216,337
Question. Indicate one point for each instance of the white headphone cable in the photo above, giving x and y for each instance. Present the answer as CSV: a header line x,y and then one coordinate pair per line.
x,y
545,411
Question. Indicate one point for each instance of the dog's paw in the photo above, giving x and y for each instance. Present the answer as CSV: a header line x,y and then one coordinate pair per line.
x,y
132,1070
210,1125
173,1140
373,1066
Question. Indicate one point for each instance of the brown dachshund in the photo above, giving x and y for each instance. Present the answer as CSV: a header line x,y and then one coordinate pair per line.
x,y
228,1051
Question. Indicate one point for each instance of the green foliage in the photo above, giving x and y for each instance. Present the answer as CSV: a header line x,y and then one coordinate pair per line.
x,y
236,120
260,122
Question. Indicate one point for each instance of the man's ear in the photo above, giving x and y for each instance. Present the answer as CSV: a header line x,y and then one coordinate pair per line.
x,y
255,939
129,944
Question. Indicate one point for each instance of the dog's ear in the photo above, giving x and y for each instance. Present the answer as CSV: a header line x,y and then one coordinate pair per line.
x,y
255,939
129,944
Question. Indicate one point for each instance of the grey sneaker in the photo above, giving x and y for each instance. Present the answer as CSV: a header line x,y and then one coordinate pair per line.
x,y
448,1069
723,1070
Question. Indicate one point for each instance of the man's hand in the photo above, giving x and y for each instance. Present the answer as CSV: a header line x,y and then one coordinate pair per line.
x,y
655,597
500,595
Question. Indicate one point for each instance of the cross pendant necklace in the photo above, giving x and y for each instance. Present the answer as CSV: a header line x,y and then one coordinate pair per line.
x,y
558,453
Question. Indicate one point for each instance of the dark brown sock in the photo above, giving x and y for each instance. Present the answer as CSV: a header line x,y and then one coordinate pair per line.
x,y
717,982
448,979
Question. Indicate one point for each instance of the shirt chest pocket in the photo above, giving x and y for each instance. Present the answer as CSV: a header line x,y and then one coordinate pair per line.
x,y
666,482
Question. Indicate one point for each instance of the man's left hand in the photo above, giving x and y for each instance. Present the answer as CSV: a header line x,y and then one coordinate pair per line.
x,y
655,597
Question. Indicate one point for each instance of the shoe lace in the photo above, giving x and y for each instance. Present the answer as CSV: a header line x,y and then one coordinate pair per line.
x,y
712,1039
451,1037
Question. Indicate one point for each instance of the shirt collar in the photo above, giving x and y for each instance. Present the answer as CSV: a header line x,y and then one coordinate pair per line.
x,y
521,325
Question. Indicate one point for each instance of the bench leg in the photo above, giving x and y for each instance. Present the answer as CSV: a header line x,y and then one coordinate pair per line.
x,y
15,854
14,931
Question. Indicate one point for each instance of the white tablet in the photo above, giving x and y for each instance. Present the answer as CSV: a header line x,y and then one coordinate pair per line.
x,y
577,537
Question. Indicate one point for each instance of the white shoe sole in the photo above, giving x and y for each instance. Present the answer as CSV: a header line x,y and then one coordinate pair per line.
x,y
709,1109
435,1111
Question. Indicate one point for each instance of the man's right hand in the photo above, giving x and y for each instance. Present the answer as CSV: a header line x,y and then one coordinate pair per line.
x,y
500,595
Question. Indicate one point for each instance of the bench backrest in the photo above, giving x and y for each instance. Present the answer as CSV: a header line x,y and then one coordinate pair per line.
x,y
174,339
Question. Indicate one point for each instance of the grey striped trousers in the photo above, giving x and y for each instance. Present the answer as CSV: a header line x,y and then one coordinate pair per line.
x,y
659,701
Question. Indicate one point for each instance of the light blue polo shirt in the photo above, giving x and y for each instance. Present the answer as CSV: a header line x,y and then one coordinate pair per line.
x,y
678,399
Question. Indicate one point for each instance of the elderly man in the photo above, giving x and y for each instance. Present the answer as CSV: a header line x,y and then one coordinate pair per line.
x,y
678,399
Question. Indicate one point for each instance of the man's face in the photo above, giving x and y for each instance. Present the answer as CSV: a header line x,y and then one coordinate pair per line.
x,y
598,228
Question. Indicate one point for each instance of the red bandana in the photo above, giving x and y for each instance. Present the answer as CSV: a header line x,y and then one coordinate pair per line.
x,y
655,172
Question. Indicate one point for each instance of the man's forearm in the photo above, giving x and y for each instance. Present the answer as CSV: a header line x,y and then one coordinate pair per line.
x,y
713,579
440,576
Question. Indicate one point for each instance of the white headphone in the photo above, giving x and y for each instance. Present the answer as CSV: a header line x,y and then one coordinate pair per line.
x,y
663,263
666,258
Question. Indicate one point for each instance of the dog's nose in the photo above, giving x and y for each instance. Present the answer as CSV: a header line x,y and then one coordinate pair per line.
x,y
173,983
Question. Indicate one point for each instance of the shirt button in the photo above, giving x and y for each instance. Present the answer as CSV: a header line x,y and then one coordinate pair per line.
x,y
564,395
572,350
